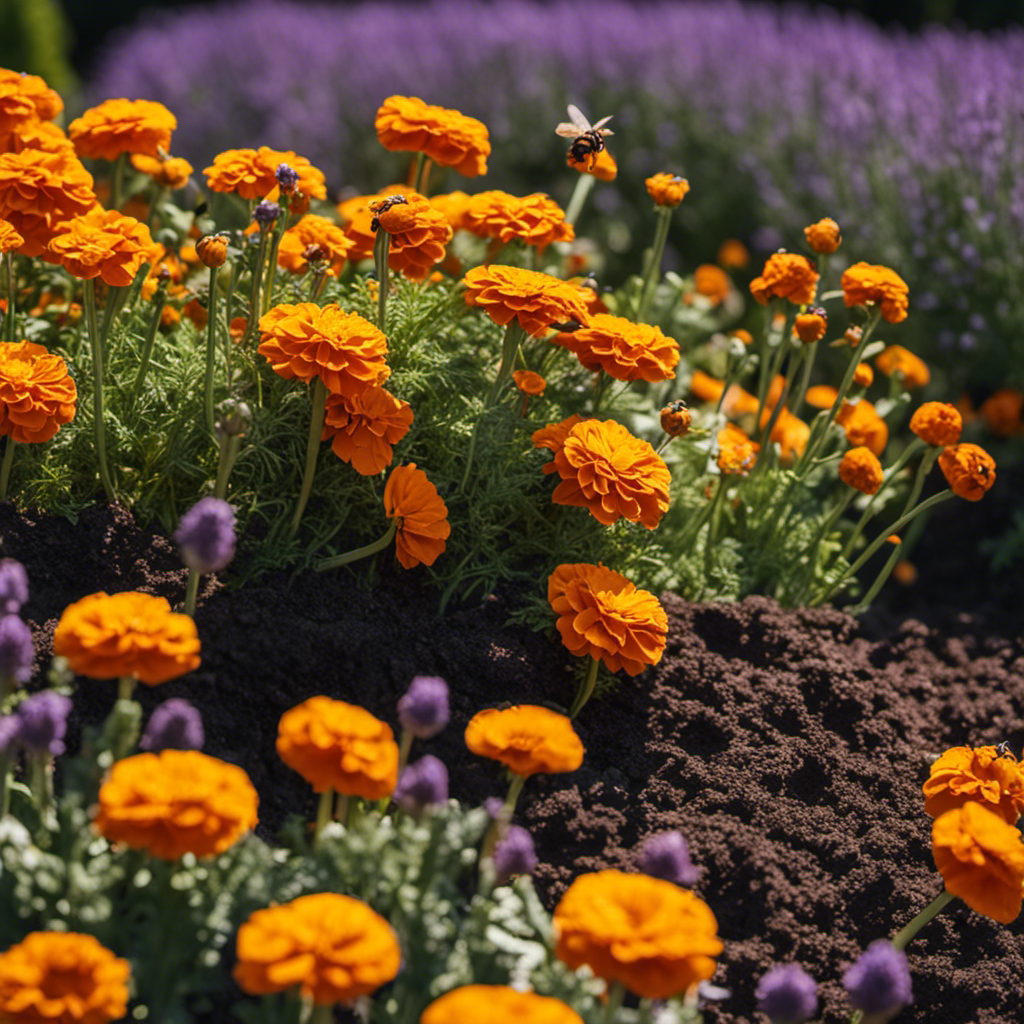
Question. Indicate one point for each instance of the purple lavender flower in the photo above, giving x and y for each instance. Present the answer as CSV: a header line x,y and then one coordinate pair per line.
x,y
206,535
42,722
879,982
514,854
16,651
787,994
265,214
667,856
422,783
10,726
174,725
423,711
494,805
287,177
13,586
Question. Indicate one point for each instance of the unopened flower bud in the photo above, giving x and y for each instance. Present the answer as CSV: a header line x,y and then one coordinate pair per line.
x,y
16,651
514,854
423,711
676,418
13,586
233,418
174,725
853,336
787,994
811,326
287,177
42,722
422,784
314,253
266,214
206,535
667,856
879,982
212,250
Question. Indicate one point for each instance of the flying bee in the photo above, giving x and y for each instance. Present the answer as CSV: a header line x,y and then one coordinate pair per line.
x,y
382,206
587,138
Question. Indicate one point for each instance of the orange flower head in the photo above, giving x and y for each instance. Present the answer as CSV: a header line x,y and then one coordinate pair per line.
x,y
334,947
9,238
305,340
811,326
601,614
860,469
896,359
334,745
865,283
863,375
536,300
529,383
171,172
251,173
419,233
176,802
317,231
904,573
821,396
736,452
497,1004
363,427
969,470
454,206
742,335
62,978
790,433
786,275
104,244
553,435
534,220
623,349
123,126
106,636
212,250
449,138
527,739
980,775
25,100
706,388
1001,412
712,282
823,237
38,135
863,426
981,860
676,419
667,189
37,394
600,165
937,423
649,934
732,253
422,516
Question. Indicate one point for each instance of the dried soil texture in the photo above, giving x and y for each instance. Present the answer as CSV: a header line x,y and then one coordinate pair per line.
x,y
789,747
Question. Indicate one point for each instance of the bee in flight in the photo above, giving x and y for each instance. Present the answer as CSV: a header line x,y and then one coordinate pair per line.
x,y
587,138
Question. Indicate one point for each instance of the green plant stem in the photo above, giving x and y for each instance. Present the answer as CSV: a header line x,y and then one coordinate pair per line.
x,y
691,531
653,272
211,350
820,534
586,688
5,786
254,295
191,591
766,434
811,354
159,301
316,428
423,178
613,1003
404,746
117,181
323,1013
381,246
5,466
716,507
584,186
771,366
356,553
9,324
268,285
324,809
228,453
41,776
97,344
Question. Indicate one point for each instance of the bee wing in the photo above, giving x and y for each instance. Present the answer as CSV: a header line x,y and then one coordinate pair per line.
x,y
577,117
567,131
603,122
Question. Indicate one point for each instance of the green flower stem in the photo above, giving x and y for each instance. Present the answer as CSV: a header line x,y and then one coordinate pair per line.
x,y
652,274
5,466
902,938
791,369
211,350
97,344
254,295
586,689
125,687
5,786
811,354
228,453
381,245
159,301
404,746
324,809
732,374
316,428
41,779
323,1013
117,180
613,1003
117,299
275,243
584,186
191,592
822,532
412,180
771,366
716,511
357,553
9,324
691,531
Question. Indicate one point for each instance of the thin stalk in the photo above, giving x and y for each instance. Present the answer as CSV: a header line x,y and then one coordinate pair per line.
x,y
268,286
9,325
254,295
117,298
822,532
316,428
404,747
716,509
766,434
356,553
584,186
413,177
381,245
159,301
690,533
586,690
423,181
125,687
771,368
191,592
211,350
5,787
228,453
5,466
653,272
811,353
613,1003
323,814
97,342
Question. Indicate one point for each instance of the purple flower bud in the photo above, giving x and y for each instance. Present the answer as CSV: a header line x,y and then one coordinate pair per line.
x,y
422,783
667,856
174,725
42,722
879,982
10,726
13,586
423,710
514,854
287,177
16,651
787,994
494,805
206,535
265,214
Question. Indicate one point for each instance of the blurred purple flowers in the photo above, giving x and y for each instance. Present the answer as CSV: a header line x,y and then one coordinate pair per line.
x,y
423,710
206,535
667,856
173,725
16,651
422,784
13,586
879,982
514,854
787,994
42,722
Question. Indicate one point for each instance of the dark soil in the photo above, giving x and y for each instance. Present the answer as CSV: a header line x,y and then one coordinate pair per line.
x,y
789,747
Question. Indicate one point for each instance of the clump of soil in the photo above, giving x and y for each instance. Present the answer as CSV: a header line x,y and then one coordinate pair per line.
x,y
788,746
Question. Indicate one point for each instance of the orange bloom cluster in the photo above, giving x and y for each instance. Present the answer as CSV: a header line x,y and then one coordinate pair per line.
x,y
667,189
62,978
736,452
860,469
937,423
527,739
786,275
105,636
250,173
969,470
422,516
603,615
535,219
449,138
529,383
975,774
38,135
712,282
623,349
37,395
896,359
863,375
334,745
123,126
25,100
864,282
320,232
790,432
536,300
821,396
363,427
863,426
358,218
811,326
335,948
171,172
497,1004
176,802
419,232
454,206
823,236
102,243
654,937
600,165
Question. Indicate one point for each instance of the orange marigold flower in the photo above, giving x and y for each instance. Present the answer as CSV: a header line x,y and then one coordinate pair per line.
x,y
448,137
599,165
497,1004
536,300
712,282
419,232
104,244
896,359
790,433
38,135
937,423
121,126
981,860
736,452
526,738
969,470
865,282
667,189
554,434
623,349
37,395
649,934
363,427
863,375
176,802
106,636
860,469
251,173
313,230
733,253
305,340
786,275
535,219
823,237
675,418
1001,412
9,238
171,172
454,206
529,383
742,335
811,326
603,615
422,516
62,978
334,947
979,775
863,426
706,388
334,745
25,99
212,250
821,396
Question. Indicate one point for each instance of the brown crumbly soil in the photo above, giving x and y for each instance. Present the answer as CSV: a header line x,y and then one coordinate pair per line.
x,y
788,746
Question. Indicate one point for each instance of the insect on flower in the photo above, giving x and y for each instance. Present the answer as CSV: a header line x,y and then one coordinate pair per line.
x,y
587,138
383,206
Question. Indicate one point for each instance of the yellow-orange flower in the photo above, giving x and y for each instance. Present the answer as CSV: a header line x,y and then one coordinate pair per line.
x,y
529,383
981,860
37,395
535,219
419,232
652,936
736,452
786,275
176,802
250,173
863,375
526,738
454,206
357,219
497,1004
937,423
790,432
706,388
860,469
1001,412
104,244
600,165
363,427
25,99
422,516
975,774
121,126
969,470
335,948
866,283
106,636
9,238
536,300
896,359
811,326
821,396
623,349
38,135
823,236
667,189
321,232
733,253
171,172
603,615
62,978
448,137
334,745
712,282
863,426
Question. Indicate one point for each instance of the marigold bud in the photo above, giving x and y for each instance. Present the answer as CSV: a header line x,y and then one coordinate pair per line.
x,y
811,326
212,250
860,469
266,214
863,375
969,470
676,418
823,237
937,423
234,417
667,189
287,177
743,335
853,335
